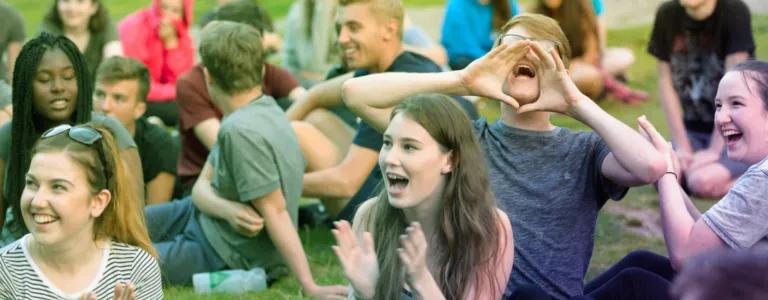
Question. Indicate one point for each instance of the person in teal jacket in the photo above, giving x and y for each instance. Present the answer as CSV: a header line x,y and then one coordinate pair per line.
x,y
470,28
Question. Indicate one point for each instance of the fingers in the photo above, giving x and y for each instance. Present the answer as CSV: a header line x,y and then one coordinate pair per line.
x,y
534,106
368,246
414,247
344,236
655,137
545,58
558,61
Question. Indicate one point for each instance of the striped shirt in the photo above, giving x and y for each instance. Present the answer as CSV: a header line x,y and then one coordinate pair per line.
x,y
20,277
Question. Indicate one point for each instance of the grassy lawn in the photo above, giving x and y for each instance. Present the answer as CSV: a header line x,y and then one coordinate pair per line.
x,y
613,240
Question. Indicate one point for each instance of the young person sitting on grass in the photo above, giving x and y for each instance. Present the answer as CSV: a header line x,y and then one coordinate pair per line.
x,y
87,235
51,87
436,186
252,179
121,91
550,181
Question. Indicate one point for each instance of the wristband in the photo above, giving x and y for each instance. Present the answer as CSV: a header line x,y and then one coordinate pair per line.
x,y
671,172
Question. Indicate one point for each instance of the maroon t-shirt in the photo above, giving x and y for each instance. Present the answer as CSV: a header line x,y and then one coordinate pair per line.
x,y
195,106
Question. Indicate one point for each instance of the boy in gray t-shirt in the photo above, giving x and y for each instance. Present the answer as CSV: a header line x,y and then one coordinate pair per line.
x,y
250,183
550,181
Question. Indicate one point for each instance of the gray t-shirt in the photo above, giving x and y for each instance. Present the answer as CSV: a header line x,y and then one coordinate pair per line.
x,y
11,30
740,219
551,186
256,152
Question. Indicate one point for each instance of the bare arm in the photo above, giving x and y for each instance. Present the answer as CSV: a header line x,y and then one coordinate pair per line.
x,y
323,95
132,163
13,52
673,111
297,94
685,232
242,217
286,239
113,48
160,189
372,97
633,160
343,180
206,131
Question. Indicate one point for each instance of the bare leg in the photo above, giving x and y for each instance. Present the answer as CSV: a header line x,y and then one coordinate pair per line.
x,y
710,181
319,151
587,78
333,128
616,61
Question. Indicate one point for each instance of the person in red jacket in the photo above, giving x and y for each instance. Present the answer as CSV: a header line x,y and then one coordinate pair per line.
x,y
158,36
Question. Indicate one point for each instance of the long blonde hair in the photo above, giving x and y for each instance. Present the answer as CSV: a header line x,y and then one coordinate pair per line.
x,y
468,214
123,218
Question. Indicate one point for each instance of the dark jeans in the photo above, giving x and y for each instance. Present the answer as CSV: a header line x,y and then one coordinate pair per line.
x,y
639,275
181,245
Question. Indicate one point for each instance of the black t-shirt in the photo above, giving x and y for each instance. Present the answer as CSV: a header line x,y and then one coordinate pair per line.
x,y
367,137
157,149
696,51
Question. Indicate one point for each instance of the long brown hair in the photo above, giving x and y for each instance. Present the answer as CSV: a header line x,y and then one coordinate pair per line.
x,y
468,214
123,218
577,19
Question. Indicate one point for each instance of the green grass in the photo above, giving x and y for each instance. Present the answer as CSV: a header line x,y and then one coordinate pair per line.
x,y
612,240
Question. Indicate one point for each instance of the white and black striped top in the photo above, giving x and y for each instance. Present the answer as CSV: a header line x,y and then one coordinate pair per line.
x,y
20,278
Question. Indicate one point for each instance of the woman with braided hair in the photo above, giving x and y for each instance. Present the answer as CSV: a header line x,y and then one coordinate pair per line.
x,y
50,88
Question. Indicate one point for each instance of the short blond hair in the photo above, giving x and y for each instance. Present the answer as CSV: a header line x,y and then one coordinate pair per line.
x,y
384,9
543,27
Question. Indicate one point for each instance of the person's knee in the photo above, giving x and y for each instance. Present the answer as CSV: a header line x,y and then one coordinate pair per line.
x,y
587,78
707,184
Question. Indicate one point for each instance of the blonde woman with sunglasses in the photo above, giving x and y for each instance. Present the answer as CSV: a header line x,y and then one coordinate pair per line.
x,y
87,239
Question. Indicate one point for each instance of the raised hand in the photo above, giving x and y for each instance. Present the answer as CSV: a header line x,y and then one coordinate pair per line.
x,y
485,76
649,132
358,259
244,219
558,92
413,255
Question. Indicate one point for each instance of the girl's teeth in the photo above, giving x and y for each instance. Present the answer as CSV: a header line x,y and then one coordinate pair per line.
x,y
41,219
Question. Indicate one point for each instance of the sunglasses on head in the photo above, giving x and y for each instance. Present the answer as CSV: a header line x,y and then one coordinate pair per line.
x,y
83,135
511,38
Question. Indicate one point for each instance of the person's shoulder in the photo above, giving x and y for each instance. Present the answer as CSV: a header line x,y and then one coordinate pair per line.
x,y
413,62
733,8
763,166
194,75
11,250
127,252
669,9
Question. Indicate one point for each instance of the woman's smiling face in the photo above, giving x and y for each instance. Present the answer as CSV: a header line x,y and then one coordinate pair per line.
x,y
741,118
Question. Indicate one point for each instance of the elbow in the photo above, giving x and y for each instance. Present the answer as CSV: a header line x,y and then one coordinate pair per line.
x,y
655,168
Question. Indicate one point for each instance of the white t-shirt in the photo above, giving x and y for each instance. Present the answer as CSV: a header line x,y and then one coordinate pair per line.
x,y
20,277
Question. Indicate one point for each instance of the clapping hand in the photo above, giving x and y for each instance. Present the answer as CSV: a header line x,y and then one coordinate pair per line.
x,y
485,76
558,92
413,255
358,259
